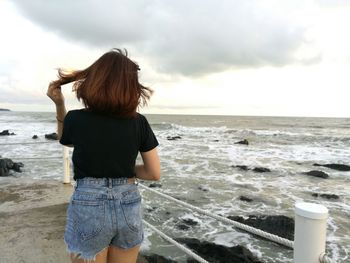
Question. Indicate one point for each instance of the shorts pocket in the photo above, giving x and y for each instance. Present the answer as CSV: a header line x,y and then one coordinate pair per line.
x,y
131,207
88,217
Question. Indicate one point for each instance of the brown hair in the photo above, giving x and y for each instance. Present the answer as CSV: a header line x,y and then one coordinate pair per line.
x,y
110,85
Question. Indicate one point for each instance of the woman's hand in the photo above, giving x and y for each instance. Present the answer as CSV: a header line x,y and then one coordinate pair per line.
x,y
54,93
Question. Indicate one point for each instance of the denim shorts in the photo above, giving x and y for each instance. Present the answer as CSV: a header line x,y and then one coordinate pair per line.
x,y
103,212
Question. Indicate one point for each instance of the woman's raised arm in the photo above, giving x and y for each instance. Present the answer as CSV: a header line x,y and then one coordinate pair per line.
x,y
55,94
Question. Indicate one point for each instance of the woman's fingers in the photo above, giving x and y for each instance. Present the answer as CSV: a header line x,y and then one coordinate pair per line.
x,y
54,92
51,89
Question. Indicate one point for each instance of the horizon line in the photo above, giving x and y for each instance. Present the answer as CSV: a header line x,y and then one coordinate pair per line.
x,y
222,115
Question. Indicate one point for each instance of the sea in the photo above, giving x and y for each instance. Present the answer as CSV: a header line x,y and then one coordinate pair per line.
x,y
198,167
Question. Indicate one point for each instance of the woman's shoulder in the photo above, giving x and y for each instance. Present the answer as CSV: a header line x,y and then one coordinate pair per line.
x,y
77,111
140,117
72,114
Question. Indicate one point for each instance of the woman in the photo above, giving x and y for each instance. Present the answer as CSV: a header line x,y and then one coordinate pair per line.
x,y
104,214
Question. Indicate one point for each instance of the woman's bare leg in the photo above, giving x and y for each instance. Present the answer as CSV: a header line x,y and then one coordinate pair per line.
x,y
100,258
120,255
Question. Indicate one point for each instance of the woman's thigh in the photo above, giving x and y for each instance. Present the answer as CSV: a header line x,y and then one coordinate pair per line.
x,y
120,255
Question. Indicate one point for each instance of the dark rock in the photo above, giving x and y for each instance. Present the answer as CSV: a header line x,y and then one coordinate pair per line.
x,y
6,132
242,167
154,185
245,142
279,225
261,170
203,188
154,259
7,164
3,171
17,167
186,224
335,166
245,199
330,196
190,222
173,138
216,141
151,209
167,213
35,137
4,109
317,173
51,136
215,253
182,227
327,196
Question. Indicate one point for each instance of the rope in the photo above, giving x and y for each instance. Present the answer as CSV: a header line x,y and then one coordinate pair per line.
x,y
249,229
324,259
175,243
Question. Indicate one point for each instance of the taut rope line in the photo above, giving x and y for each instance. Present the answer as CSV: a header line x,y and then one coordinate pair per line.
x,y
255,231
175,243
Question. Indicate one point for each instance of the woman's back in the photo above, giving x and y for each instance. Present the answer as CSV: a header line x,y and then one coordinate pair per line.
x,y
106,146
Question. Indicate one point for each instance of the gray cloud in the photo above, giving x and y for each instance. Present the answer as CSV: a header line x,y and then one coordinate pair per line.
x,y
184,37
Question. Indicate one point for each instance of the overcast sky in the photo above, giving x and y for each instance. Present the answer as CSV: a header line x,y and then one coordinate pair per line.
x,y
231,57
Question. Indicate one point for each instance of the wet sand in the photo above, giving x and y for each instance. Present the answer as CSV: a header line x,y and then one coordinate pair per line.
x,y
32,220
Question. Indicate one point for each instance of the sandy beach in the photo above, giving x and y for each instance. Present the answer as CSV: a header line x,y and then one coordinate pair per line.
x,y
32,220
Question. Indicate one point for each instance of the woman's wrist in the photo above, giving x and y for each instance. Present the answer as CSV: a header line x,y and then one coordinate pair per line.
x,y
60,112
60,104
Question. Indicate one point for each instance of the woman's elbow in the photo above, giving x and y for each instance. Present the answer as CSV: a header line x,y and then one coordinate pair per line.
x,y
156,176
155,173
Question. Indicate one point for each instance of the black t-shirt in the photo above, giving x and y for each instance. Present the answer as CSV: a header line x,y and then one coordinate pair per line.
x,y
106,146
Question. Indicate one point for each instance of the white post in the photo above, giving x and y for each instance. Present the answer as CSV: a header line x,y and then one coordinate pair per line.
x,y
310,232
66,165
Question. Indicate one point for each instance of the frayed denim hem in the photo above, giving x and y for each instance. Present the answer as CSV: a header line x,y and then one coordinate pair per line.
x,y
80,255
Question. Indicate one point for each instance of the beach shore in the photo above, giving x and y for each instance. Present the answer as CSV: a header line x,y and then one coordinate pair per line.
x,y
32,220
